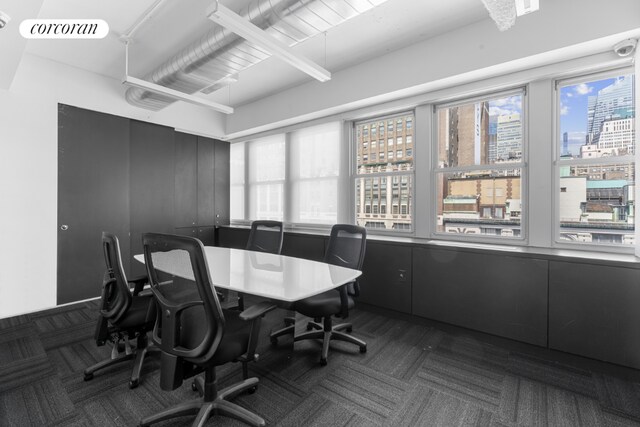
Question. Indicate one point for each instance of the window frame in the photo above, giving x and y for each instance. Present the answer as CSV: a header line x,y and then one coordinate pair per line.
x,y
354,176
435,170
557,162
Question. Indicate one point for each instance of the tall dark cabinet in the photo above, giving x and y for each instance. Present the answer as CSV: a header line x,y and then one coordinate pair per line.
x,y
130,177
201,186
151,194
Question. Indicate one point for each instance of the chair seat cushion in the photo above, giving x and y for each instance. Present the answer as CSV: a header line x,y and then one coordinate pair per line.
x,y
141,314
324,304
235,339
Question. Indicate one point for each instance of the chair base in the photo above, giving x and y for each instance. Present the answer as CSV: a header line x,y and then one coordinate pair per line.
x,y
212,404
141,351
325,332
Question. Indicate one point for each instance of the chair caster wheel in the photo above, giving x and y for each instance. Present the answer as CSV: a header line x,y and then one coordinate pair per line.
x,y
363,349
309,327
349,329
252,389
274,341
323,361
88,377
134,383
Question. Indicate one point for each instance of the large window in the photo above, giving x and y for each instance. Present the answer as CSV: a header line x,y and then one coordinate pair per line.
x,y
596,164
266,178
291,177
384,173
315,168
479,170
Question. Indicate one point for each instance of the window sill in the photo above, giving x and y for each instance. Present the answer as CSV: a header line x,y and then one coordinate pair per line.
x,y
553,254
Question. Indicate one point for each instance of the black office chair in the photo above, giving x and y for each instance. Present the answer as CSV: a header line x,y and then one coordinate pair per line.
x,y
265,236
194,333
347,245
123,315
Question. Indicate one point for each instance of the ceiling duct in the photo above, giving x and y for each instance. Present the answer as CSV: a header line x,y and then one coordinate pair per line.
x,y
220,53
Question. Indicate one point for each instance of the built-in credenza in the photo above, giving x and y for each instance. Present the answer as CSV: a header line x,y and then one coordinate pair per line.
x,y
580,305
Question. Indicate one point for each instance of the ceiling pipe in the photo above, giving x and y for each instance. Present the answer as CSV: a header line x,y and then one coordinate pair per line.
x,y
220,53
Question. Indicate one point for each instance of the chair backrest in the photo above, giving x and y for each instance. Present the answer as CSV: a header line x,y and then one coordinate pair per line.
x,y
347,245
190,321
116,294
265,236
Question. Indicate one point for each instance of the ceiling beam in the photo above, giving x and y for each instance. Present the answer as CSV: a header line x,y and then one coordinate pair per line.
x,y
247,30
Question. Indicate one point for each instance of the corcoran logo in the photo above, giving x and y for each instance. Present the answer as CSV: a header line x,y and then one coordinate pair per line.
x,y
64,29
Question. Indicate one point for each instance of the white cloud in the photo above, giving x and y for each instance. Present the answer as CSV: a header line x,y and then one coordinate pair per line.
x,y
583,89
505,106
564,110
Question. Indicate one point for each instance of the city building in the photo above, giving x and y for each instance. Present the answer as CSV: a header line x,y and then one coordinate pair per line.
x,y
611,103
509,137
384,202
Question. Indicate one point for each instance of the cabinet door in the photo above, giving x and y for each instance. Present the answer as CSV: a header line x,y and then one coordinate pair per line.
x,y
207,235
93,196
206,181
222,182
186,180
152,183
187,231
386,276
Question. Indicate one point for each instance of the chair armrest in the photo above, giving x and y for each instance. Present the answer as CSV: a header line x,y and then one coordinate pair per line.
x,y
254,314
256,310
139,283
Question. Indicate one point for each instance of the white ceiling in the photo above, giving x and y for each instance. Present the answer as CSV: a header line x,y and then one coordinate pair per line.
x,y
390,26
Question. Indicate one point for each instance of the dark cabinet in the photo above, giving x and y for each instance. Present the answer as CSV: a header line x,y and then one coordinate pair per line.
x,y
493,293
205,234
151,151
386,276
593,311
130,177
206,180
186,180
201,186
222,182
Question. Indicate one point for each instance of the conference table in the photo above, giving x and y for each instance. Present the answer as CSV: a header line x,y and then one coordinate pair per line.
x,y
276,277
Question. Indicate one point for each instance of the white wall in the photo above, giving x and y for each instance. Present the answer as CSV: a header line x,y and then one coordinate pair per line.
x,y
560,30
29,161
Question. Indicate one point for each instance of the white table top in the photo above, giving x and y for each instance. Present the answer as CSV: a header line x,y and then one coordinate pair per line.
x,y
256,273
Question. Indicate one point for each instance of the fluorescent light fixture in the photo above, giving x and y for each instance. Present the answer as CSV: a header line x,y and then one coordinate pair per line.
x,y
245,29
526,6
181,96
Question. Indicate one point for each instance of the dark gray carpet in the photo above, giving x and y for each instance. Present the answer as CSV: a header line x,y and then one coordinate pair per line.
x,y
415,373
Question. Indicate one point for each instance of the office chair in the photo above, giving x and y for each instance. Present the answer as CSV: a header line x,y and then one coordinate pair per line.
x,y
194,333
123,315
347,244
265,236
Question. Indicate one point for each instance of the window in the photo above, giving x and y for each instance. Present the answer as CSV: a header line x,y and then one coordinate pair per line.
x,y
314,168
479,166
596,166
237,180
291,177
387,182
266,178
